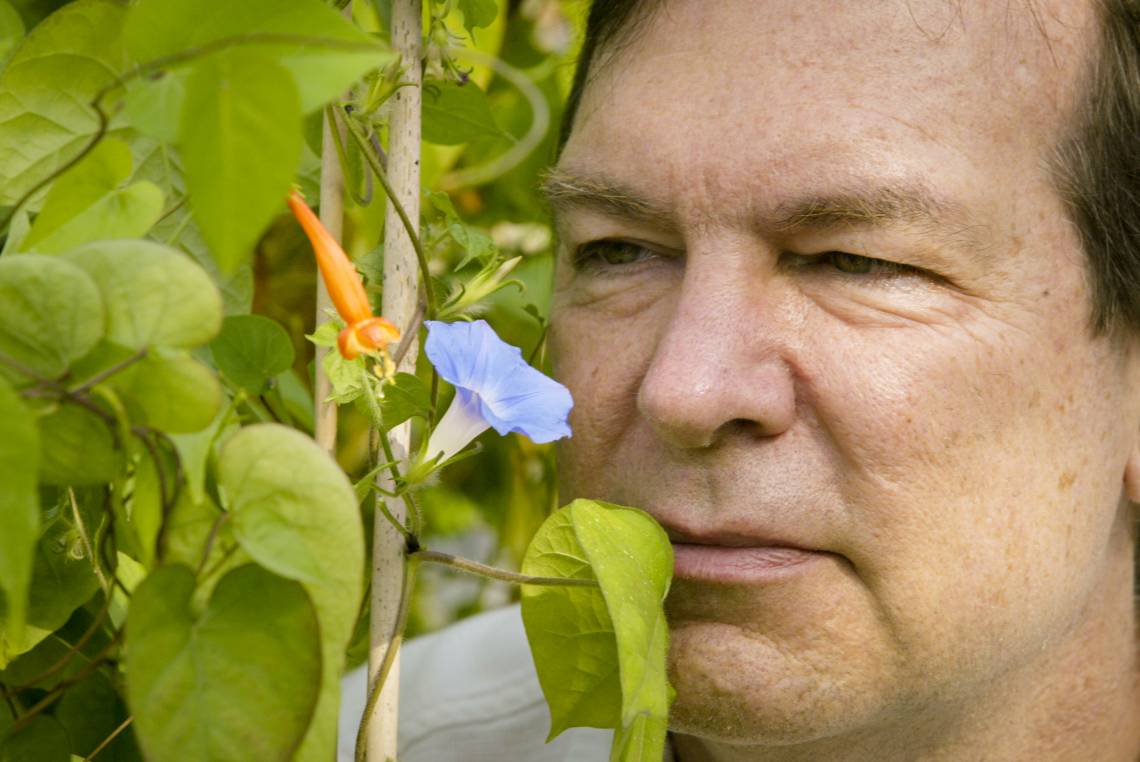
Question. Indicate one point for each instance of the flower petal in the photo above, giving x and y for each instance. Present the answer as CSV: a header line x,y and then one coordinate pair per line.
x,y
513,396
461,423
528,402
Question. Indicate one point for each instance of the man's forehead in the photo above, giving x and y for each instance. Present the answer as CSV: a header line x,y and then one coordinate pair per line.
x,y
713,59
823,110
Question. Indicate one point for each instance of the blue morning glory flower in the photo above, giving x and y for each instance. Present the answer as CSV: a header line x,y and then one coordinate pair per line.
x,y
494,388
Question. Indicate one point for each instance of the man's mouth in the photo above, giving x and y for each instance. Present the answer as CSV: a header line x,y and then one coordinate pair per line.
x,y
739,560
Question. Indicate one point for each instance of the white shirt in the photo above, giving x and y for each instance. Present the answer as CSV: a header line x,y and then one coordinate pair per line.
x,y
469,693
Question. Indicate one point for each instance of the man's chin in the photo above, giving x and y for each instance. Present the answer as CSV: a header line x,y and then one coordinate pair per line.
x,y
740,687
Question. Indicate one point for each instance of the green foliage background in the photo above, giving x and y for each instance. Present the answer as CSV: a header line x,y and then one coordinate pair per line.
x,y
151,403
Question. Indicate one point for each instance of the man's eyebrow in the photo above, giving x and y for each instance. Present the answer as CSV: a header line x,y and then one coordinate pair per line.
x,y
865,206
564,190
868,207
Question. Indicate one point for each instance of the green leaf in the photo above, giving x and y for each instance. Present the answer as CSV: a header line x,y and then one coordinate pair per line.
x,y
250,350
77,448
345,376
31,669
454,114
325,335
188,528
600,652
62,579
195,451
44,740
404,398
50,315
89,711
297,399
11,29
19,506
476,245
154,295
237,683
90,202
47,88
477,13
139,514
329,55
172,392
241,142
17,229
154,104
236,287
295,513
442,204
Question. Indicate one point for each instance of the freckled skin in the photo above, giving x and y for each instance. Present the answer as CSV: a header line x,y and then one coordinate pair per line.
x,y
953,435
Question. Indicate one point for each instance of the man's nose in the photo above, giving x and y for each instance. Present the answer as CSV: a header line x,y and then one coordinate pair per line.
x,y
721,366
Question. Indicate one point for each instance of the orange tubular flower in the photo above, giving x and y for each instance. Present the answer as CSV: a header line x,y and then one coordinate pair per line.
x,y
363,332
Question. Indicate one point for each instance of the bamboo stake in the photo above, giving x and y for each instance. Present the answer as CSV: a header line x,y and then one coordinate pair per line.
x,y
401,293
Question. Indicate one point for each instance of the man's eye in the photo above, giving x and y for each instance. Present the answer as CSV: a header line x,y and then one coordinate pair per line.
x,y
855,264
610,253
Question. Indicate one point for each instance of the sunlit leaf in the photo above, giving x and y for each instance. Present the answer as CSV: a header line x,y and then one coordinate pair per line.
x,y
250,350
238,682
11,29
91,202
51,314
295,513
241,142
345,376
476,245
180,231
173,392
19,506
600,652
47,88
477,13
454,114
154,295
320,49
153,104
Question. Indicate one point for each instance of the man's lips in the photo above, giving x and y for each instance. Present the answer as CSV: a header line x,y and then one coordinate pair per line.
x,y
731,558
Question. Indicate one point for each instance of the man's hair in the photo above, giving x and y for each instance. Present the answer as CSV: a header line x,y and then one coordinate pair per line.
x,y
1096,163
1097,167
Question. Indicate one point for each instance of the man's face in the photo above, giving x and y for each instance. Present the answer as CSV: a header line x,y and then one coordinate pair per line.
x,y
823,316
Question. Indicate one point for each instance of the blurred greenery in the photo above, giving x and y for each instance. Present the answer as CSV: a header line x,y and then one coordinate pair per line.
x,y
154,398
489,506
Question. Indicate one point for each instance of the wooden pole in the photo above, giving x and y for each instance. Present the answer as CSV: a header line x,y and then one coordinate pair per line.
x,y
401,292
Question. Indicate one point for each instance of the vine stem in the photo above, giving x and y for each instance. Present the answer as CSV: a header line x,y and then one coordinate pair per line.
x,y
491,572
104,375
55,693
107,741
403,261
88,548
